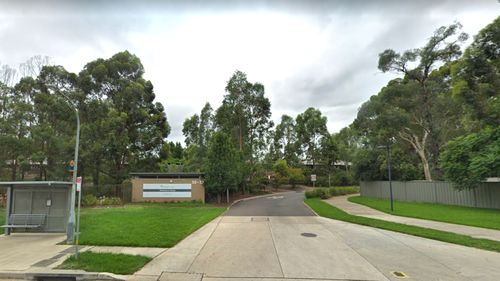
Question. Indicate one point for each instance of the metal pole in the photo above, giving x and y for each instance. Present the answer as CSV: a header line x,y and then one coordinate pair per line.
x,y
8,210
390,179
71,220
75,172
78,222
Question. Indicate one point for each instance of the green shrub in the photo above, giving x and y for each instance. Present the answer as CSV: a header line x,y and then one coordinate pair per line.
x,y
296,176
107,201
342,178
325,193
322,193
310,194
89,200
344,190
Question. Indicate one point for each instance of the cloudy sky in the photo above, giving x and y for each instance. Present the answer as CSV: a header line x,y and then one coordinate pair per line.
x,y
306,53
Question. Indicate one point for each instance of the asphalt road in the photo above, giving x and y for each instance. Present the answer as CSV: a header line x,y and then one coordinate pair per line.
x,y
282,204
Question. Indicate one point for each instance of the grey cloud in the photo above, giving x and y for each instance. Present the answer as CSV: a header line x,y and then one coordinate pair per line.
x,y
347,84
343,79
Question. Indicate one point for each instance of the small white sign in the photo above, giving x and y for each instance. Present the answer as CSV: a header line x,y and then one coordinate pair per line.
x,y
79,184
313,177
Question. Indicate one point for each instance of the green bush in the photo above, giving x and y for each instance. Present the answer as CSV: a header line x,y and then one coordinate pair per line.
x,y
296,176
325,193
344,190
322,193
342,178
310,194
108,201
89,200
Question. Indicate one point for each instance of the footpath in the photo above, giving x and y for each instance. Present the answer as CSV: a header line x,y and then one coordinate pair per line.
x,y
31,256
341,202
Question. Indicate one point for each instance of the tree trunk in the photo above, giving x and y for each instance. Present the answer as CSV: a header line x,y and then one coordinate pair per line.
x,y
218,197
425,164
241,134
14,170
419,146
95,177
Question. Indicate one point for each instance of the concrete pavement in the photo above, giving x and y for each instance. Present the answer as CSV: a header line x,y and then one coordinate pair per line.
x,y
241,249
25,255
341,202
21,251
267,247
141,251
259,248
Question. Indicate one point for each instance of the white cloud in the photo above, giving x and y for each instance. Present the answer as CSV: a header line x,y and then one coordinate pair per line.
x,y
321,54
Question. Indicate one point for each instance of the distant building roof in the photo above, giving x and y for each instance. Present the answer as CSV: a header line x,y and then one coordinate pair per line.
x,y
166,175
493,179
336,163
32,183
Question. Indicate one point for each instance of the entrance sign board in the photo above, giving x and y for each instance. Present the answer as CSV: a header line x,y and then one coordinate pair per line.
x,y
166,190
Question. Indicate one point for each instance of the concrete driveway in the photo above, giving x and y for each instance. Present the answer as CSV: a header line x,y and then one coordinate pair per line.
x,y
241,246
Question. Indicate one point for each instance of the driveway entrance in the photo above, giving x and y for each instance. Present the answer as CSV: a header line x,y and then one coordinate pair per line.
x,y
283,204
257,241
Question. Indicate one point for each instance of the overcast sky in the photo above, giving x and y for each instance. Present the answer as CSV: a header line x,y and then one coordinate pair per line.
x,y
306,53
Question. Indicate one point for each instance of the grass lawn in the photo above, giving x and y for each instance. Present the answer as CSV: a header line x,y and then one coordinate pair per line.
x,y
2,219
144,225
326,210
487,218
105,262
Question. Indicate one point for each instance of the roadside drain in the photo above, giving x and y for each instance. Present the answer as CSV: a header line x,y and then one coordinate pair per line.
x,y
399,274
260,219
307,234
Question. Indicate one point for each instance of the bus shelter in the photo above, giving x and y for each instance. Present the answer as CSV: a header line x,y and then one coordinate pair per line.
x,y
37,206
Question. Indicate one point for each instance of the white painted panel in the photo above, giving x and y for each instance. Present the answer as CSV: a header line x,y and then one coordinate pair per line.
x,y
166,190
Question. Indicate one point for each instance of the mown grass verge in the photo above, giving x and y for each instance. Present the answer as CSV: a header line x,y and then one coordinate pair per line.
x,y
326,210
486,218
143,225
105,262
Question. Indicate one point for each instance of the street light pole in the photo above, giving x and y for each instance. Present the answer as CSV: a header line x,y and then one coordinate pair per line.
x,y
70,232
388,147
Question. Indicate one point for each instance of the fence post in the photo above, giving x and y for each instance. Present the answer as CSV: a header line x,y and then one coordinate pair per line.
x,y
435,192
475,198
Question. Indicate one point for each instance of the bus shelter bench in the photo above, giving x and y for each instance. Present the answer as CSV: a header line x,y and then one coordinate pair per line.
x,y
25,221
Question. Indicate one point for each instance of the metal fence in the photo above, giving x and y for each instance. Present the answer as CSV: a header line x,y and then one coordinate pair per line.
x,y
485,196
122,191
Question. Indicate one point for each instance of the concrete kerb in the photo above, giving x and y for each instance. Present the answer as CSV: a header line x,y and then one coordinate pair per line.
x,y
79,275
314,212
